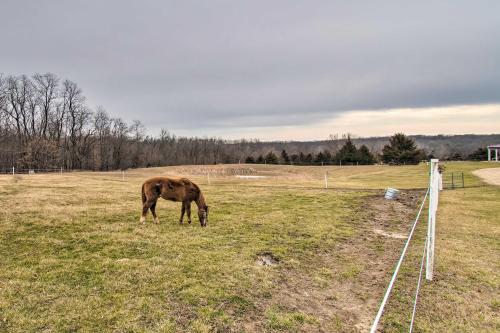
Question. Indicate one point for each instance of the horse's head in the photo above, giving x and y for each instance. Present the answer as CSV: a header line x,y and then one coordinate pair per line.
x,y
203,215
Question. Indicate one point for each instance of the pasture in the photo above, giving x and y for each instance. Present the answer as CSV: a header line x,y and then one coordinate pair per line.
x,y
280,253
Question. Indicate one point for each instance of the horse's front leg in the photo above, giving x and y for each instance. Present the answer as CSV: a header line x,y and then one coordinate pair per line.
x,y
188,209
183,209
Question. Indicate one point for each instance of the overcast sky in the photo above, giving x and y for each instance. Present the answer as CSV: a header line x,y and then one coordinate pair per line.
x,y
269,69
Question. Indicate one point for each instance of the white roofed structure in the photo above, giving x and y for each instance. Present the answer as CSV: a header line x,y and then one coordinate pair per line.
x,y
493,152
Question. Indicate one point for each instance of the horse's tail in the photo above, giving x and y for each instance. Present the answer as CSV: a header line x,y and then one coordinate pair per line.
x,y
144,199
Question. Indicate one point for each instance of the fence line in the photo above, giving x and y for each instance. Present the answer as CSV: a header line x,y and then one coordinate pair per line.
x,y
435,180
396,270
123,175
15,171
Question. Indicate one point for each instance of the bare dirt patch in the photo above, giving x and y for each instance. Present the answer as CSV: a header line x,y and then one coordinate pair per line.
x,y
340,289
267,259
490,175
390,234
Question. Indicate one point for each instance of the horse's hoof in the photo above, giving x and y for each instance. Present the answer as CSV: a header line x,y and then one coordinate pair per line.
x,y
189,222
157,221
142,220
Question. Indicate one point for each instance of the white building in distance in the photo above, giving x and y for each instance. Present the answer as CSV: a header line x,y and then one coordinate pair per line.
x,y
493,148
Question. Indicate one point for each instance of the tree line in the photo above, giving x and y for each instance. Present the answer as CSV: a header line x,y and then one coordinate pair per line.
x,y
400,150
348,154
46,122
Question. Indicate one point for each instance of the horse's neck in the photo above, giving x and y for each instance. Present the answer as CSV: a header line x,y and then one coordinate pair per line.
x,y
200,202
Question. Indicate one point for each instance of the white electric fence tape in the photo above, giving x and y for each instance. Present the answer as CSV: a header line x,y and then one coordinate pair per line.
x,y
396,271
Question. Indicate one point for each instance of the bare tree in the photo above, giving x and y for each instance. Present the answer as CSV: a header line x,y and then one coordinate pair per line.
x,y
17,98
137,130
102,125
120,132
78,117
46,86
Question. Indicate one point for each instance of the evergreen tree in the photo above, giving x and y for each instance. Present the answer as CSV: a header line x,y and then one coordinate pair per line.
x,y
271,158
323,157
302,158
308,159
319,159
348,153
455,157
401,150
327,157
295,159
480,154
365,157
284,157
250,160
260,159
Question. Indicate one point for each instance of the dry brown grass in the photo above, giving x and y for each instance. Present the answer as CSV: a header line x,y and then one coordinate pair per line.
x,y
74,257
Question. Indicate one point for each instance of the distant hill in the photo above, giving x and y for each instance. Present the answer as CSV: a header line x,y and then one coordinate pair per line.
x,y
441,146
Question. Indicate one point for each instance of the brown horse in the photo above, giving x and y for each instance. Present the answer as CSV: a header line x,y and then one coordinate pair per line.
x,y
173,189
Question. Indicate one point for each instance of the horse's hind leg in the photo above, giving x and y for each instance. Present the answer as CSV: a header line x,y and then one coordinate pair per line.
x,y
183,209
145,208
153,211
147,205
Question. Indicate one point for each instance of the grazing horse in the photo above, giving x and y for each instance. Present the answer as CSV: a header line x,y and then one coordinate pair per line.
x,y
173,189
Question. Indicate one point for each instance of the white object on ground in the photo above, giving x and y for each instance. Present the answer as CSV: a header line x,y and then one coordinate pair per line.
x,y
391,193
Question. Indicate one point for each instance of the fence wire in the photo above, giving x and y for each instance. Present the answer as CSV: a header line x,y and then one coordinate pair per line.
x,y
418,286
396,270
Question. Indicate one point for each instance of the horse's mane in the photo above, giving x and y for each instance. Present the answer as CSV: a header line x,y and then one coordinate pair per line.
x,y
186,182
200,201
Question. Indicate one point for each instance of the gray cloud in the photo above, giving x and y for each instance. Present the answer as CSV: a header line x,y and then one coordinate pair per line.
x,y
190,65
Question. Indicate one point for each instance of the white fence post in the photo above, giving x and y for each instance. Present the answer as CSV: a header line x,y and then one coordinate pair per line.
x,y
13,171
208,177
431,228
123,175
326,180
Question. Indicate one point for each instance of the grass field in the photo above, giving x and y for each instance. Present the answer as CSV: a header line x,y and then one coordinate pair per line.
x,y
75,258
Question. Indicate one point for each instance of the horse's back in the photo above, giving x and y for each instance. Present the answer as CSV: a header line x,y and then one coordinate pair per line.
x,y
172,188
163,180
